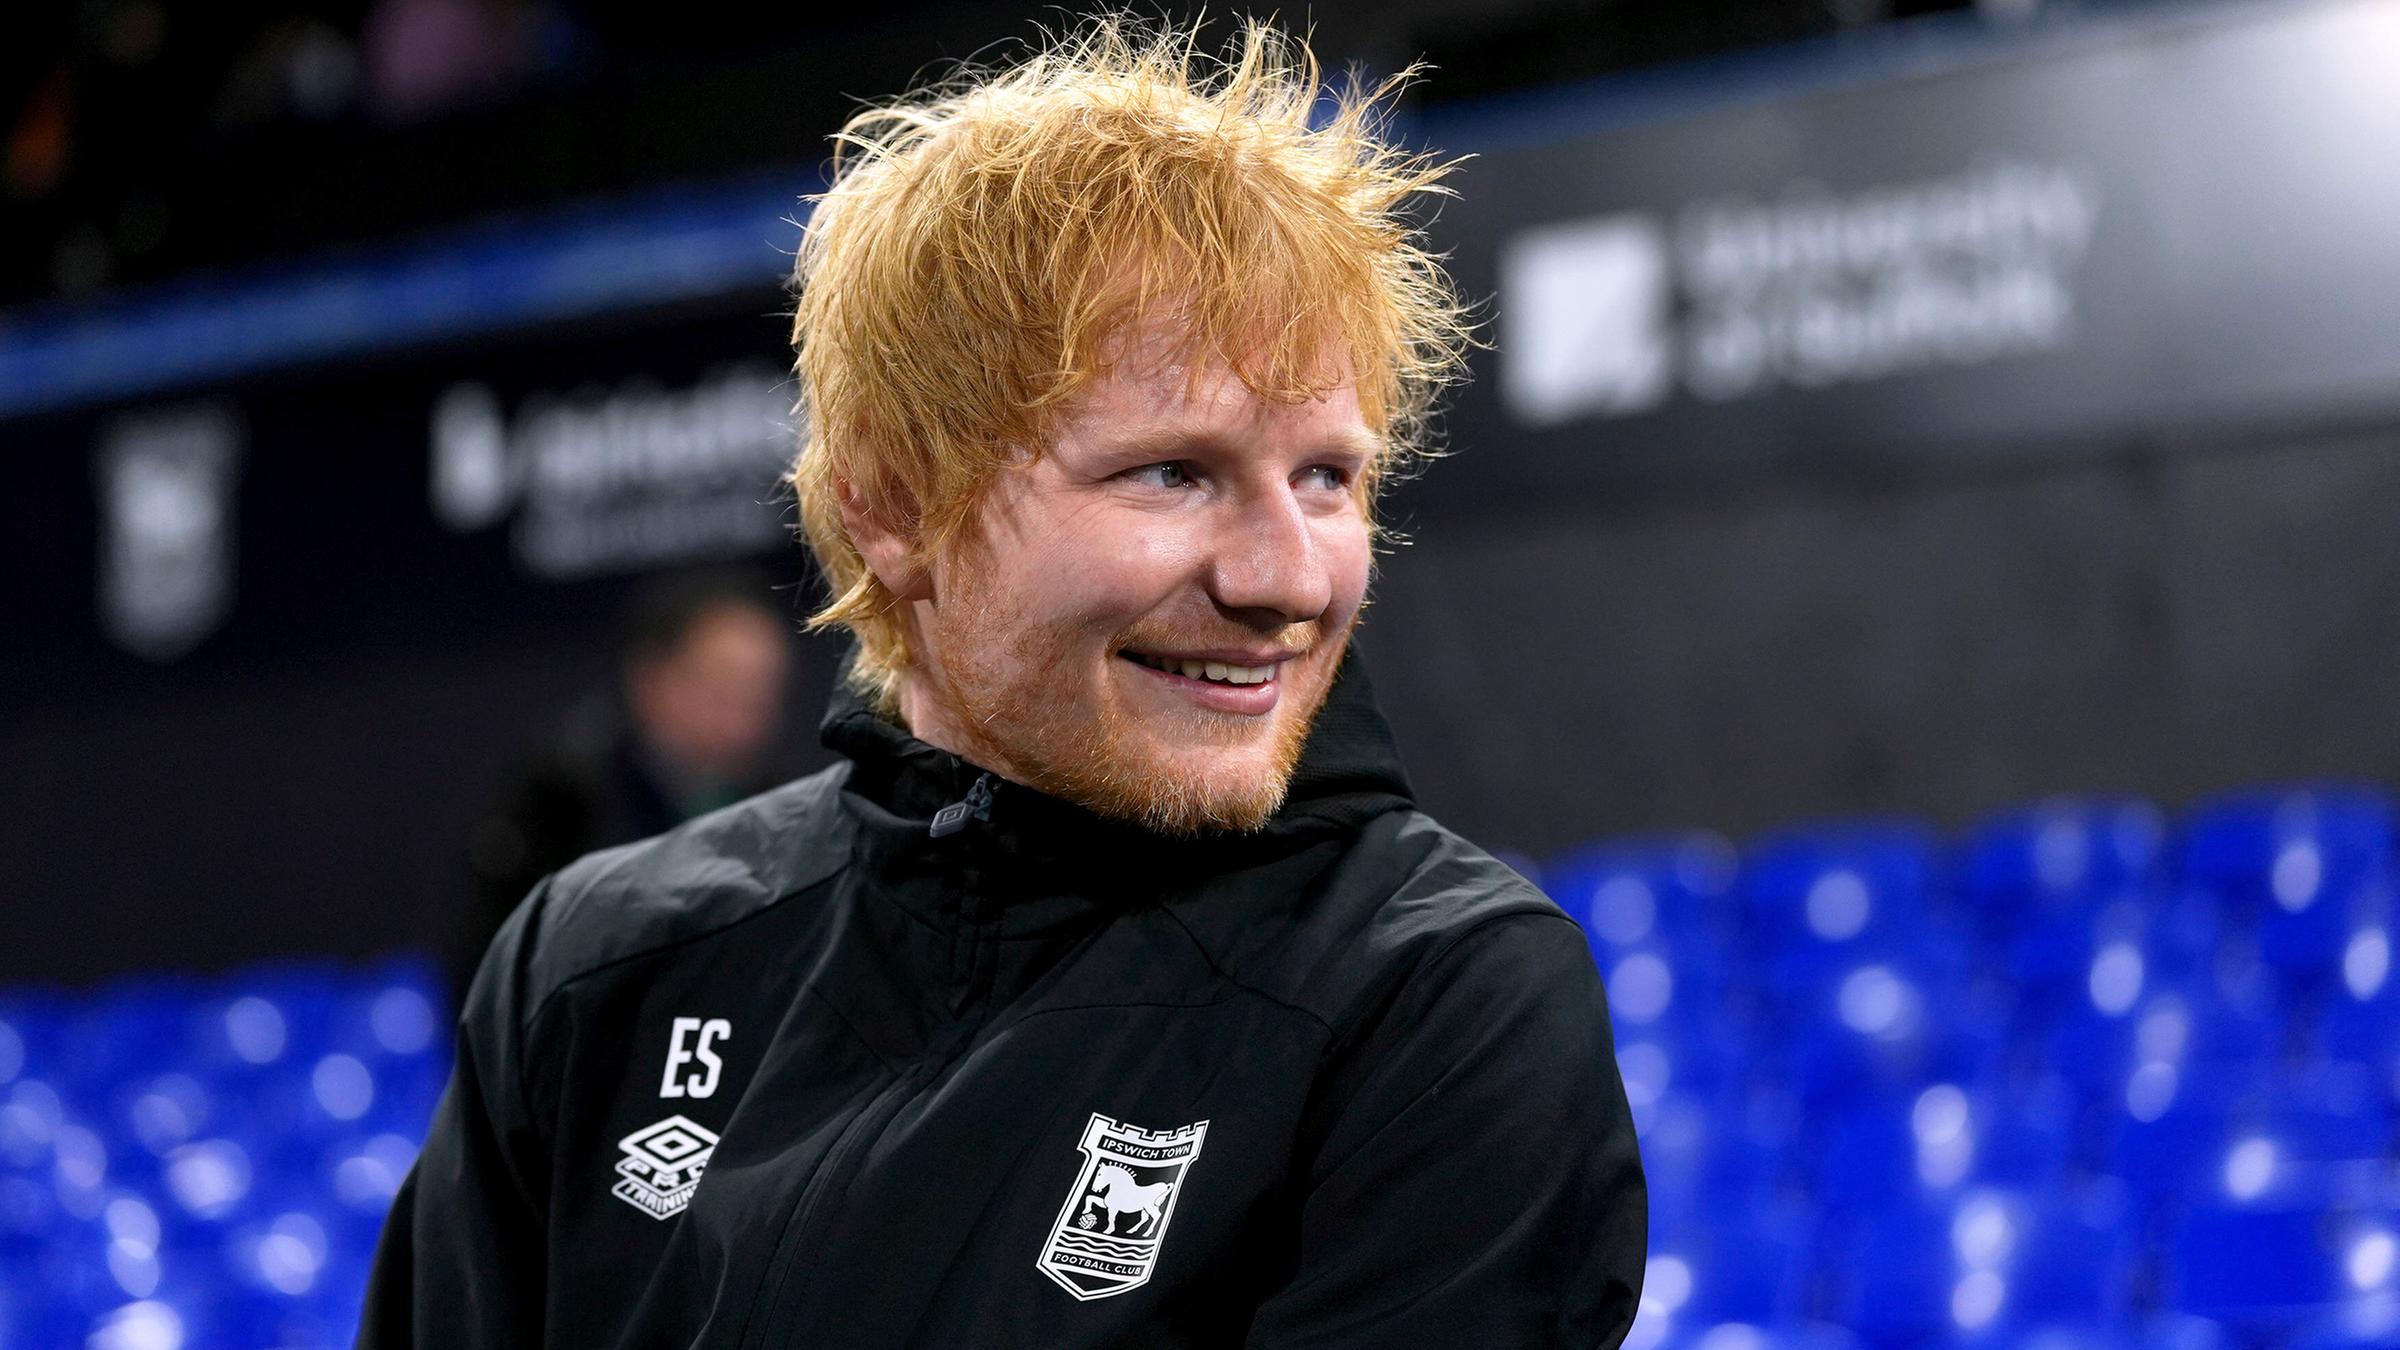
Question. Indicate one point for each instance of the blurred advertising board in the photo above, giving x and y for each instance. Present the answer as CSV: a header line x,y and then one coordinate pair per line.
x,y
2182,220
414,498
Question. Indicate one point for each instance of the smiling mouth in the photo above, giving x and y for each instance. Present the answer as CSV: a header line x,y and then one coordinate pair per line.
x,y
1215,672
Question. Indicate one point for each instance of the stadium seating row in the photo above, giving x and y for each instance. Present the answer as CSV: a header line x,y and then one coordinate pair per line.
x,y
2077,1078
2084,1077
203,1164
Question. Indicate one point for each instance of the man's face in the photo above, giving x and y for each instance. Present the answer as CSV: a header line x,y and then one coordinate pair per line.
x,y
1146,618
712,705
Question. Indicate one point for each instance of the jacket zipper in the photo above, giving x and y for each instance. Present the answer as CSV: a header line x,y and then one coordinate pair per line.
x,y
887,1103
977,805
863,1131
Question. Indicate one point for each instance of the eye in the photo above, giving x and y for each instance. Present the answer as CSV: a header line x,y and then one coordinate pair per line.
x,y
1166,474
1335,477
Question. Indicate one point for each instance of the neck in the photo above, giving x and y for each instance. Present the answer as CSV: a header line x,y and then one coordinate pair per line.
x,y
927,717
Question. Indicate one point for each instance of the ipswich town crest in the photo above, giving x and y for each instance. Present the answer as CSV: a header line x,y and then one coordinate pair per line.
x,y
1108,1233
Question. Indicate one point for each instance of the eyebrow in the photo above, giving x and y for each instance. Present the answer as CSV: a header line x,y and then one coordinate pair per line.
x,y
1168,443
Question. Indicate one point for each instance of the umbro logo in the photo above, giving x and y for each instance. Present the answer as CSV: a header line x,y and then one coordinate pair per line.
x,y
1107,1236
662,1166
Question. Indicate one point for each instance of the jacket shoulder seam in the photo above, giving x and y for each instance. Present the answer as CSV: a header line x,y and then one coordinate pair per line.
x,y
1218,969
1451,944
1432,958
1544,909
1441,954
683,940
598,885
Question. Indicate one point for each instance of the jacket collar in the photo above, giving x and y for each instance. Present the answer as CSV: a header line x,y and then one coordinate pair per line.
x,y
1349,772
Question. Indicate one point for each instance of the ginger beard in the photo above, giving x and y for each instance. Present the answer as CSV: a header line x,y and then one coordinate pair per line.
x,y
1180,770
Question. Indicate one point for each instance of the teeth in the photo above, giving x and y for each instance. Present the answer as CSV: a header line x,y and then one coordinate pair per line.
x,y
1208,670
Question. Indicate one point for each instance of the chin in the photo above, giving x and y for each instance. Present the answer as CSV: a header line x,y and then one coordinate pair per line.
x,y
1182,773
1190,790
1188,807
1176,789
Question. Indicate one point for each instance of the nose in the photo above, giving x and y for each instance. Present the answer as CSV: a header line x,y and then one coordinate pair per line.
x,y
1268,564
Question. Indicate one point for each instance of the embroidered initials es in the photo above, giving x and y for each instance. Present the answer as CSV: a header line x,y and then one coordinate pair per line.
x,y
677,1081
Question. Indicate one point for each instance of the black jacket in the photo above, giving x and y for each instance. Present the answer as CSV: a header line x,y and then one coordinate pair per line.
x,y
804,1072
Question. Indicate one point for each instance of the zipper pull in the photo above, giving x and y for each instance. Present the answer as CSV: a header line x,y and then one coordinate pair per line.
x,y
978,804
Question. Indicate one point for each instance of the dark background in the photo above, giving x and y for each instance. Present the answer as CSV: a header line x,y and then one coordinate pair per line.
x,y
1940,592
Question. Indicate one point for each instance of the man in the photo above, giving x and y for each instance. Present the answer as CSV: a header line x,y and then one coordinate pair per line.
x,y
698,703
1110,991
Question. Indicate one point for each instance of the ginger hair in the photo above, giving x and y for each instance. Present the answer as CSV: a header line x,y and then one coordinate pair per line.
x,y
983,239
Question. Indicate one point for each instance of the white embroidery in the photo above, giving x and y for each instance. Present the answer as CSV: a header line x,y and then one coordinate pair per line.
x,y
662,1166
1108,1234
703,1083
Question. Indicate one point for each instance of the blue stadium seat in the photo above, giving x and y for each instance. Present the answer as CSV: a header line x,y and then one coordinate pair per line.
x,y
2071,1261
1655,985
1985,1266
2054,864
2076,972
29,1021
1653,914
1817,897
132,1027
1695,1057
2211,1147
2168,1333
2359,1018
1884,1025
2177,1331
2170,1039
1707,1156
2277,1267
396,1012
2304,865
2030,1135
1866,1156
262,1017
1738,1266
31,1111
2369,1320
1792,1335
1942,1139
1625,891
1893,1273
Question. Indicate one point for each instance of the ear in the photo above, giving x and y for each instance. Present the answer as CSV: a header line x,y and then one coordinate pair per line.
x,y
890,550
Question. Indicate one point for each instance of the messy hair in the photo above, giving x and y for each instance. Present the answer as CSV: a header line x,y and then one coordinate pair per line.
x,y
984,240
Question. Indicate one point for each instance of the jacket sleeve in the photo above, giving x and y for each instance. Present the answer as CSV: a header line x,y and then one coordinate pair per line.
x,y
1478,1182
461,1263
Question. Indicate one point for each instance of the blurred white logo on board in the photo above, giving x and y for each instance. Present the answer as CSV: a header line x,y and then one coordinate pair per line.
x,y
473,482
1584,320
166,481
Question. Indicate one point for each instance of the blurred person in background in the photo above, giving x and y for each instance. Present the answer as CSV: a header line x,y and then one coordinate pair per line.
x,y
697,703
1111,989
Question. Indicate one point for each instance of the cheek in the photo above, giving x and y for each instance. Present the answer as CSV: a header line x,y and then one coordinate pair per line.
x,y
1349,556
1105,575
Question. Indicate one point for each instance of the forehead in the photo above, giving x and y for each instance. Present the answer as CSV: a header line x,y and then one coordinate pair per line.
x,y
1158,384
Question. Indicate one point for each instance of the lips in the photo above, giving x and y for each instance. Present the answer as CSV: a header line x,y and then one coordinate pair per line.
x,y
1251,697
1217,671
